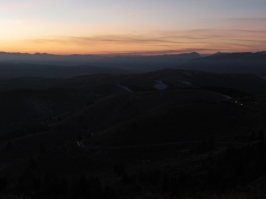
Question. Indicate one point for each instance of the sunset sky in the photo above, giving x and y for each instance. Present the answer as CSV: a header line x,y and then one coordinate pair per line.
x,y
132,26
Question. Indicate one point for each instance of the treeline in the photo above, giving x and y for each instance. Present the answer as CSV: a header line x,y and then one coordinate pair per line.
x,y
226,91
234,169
212,173
52,186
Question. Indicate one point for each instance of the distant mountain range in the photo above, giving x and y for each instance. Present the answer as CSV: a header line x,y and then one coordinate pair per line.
x,y
254,63
13,65
44,58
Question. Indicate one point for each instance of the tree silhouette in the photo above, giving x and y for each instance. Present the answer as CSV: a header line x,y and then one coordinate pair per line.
x,y
141,176
83,188
25,182
252,137
165,184
63,187
32,163
3,184
125,178
50,183
9,146
96,187
108,193
37,184
79,137
261,136
134,126
120,169
42,149
211,144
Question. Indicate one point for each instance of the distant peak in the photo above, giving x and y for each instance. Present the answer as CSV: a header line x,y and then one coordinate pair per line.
x,y
41,53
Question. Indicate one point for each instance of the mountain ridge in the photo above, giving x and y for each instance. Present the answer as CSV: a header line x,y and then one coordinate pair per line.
x,y
245,62
85,58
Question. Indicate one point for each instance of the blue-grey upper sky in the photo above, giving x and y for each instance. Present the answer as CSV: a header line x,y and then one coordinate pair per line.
x,y
132,26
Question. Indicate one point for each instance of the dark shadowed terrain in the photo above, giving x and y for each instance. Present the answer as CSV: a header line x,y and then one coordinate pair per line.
x,y
119,132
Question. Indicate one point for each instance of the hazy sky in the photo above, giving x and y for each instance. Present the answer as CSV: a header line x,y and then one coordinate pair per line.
x,y
132,26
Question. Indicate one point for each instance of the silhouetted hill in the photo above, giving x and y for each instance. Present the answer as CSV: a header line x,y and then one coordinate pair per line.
x,y
162,134
230,63
158,80
113,110
53,71
30,83
34,99
177,79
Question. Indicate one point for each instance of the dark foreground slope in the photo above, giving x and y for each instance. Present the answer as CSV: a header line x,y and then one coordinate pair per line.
x,y
164,134
139,145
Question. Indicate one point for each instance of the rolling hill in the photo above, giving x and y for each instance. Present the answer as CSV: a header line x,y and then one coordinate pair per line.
x,y
161,134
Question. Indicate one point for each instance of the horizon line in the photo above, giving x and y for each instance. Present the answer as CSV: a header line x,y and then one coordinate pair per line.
x,y
106,54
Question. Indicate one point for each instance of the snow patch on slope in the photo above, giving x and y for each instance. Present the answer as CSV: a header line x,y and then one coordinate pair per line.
x,y
186,82
160,85
125,88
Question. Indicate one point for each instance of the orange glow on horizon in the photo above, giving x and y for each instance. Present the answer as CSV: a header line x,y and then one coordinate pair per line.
x,y
175,42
